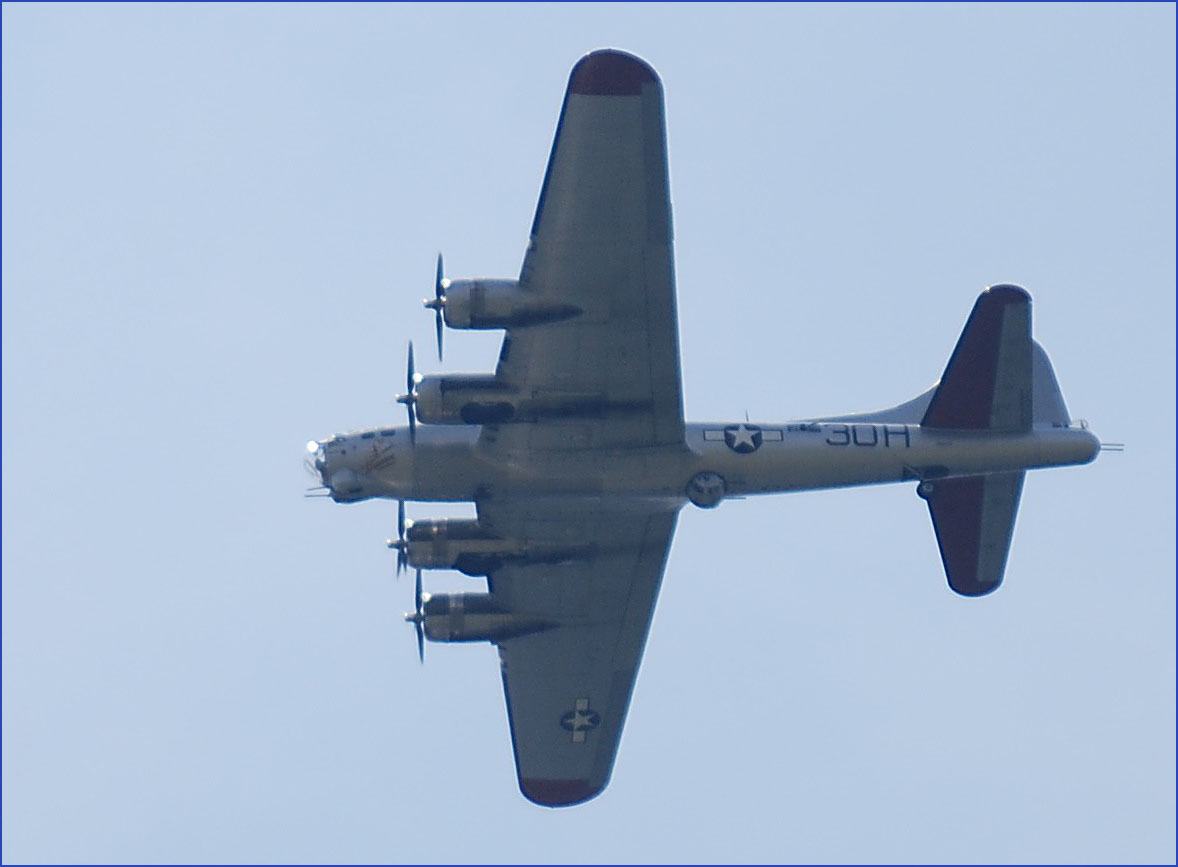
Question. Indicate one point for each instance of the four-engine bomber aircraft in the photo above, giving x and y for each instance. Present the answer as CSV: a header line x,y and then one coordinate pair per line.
x,y
577,458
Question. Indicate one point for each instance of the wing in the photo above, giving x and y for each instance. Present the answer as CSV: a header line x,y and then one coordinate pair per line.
x,y
569,686
601,241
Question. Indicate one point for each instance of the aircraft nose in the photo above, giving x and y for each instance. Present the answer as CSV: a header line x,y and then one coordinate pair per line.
x,y
316,462
346,485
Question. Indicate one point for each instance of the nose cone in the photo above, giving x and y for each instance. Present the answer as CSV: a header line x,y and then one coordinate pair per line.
x,y
314,461
345,484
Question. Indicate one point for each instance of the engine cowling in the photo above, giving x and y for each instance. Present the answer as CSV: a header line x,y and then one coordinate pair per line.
x,y
465,545
485,399
485,304
474,617
464,400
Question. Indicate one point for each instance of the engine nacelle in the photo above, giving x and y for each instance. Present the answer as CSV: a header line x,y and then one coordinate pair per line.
x,y
474,617
464,400
465,545
485,399
499,304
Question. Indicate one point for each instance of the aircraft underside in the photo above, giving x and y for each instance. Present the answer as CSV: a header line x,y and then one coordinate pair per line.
x,y
577,457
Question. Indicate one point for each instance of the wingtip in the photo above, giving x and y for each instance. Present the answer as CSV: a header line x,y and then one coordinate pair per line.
x,y
558,793
610,72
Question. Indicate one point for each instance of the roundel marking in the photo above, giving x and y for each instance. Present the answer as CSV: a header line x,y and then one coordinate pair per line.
x,y
580,719
743,438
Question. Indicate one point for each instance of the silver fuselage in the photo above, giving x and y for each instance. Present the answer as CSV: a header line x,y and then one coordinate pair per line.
x,y
445,464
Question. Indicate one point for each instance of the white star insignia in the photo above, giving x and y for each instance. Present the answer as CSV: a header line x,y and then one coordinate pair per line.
x,y
743,436
581,720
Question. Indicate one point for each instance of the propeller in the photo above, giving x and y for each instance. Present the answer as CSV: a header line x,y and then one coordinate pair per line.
x,y
320,490
437,303
313,471
417,617
399,544
410,397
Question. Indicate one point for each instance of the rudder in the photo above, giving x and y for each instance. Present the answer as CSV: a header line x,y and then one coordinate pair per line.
x,y
1047,402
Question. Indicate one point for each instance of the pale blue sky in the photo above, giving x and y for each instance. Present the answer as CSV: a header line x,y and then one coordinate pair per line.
x,y
218,223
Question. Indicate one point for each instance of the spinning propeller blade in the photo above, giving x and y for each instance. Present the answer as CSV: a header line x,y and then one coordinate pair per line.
x,y
399,544
417,617
410,396
401,558
437,303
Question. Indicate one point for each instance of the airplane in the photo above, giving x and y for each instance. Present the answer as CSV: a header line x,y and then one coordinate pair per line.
x,y
578,460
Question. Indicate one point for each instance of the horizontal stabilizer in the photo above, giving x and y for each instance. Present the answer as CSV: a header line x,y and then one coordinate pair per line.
x,y
974,520
987,383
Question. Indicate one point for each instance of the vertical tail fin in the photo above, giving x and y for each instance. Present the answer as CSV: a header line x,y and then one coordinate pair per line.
x,y
986,377
1047,402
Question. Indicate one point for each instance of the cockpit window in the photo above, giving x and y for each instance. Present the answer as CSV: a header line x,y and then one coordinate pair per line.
x,y
388,433
368,436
